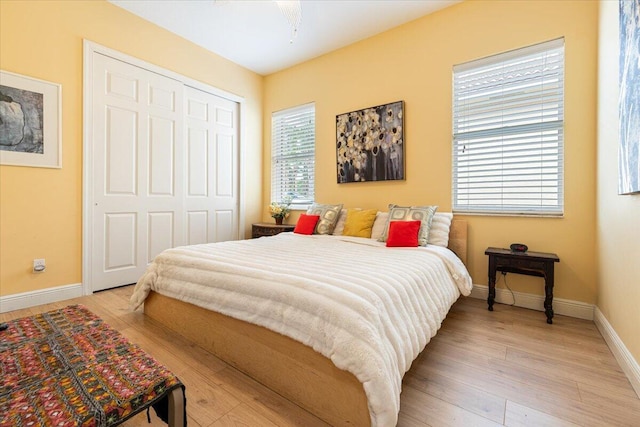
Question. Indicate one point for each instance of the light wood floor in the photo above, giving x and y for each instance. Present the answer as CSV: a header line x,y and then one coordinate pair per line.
x,y
506,367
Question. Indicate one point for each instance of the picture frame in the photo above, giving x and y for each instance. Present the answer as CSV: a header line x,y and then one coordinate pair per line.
x,y
370,144
30,121
629,99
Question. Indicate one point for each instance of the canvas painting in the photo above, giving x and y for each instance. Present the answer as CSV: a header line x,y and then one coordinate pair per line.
x,y
29,121
370,144
21,120
629,101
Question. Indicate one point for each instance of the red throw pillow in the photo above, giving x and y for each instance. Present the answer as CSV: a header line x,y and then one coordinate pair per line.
x,y
306,224
403,233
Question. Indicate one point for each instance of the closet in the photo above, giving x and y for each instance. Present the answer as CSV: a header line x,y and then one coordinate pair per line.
x,y
162,168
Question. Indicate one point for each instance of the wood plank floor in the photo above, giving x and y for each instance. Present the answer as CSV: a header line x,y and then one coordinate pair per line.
x,y
506,367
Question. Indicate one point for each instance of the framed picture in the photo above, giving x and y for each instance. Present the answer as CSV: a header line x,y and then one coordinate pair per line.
x,y
370,144
30,122
629,101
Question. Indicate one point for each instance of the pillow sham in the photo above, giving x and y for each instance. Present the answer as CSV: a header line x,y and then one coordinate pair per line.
x,y
306,224
410,213
440,227
339,228
379,225
403,233
328,217
359,222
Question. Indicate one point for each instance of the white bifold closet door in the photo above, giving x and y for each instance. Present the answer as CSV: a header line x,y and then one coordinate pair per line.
x,y
164,169
211,202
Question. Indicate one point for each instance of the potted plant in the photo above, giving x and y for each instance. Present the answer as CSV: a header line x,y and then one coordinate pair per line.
x,y
279,211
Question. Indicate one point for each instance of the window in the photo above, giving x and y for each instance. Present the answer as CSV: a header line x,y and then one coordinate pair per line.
x,y
508,119
293,137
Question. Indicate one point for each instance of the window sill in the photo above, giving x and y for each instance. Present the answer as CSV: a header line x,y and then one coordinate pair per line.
x,y
510,214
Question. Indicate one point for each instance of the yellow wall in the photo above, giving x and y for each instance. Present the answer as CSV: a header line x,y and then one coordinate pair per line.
x,y
41,209
618,228
414,63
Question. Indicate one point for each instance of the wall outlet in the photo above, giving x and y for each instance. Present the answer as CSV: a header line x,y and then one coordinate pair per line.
x,y
39,265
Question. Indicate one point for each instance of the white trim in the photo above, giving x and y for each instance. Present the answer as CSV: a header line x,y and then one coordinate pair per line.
x,y
511,54
561,306
242,171
42,296
87,159
626,361
89,49
294,110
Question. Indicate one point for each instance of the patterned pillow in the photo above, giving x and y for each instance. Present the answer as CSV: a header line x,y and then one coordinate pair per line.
x,y
440,226
411,213
328,217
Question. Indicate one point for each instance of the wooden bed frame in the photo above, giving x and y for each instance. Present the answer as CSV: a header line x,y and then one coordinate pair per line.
x,y
285,366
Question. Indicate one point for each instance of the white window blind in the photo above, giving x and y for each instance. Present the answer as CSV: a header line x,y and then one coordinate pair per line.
x,y
293,137
508,119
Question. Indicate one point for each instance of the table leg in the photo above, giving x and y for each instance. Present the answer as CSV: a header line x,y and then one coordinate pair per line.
x,y
492,282
548,291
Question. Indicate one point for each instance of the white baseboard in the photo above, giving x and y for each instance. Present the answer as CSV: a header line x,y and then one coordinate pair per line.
x,y
43,296
626,361
565,307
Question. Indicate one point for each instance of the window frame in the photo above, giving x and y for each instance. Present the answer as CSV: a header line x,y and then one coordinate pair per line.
x,y
306,160
502,137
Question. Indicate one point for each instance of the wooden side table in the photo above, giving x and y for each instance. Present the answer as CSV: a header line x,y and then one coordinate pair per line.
x,y
269,229
538,264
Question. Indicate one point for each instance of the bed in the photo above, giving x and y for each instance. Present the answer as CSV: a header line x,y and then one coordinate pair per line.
x,y
305,352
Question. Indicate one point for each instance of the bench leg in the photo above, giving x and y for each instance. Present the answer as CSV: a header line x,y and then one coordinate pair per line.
x,y
176,408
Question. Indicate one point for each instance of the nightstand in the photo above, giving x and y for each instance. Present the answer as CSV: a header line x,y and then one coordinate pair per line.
x,y
539,264
266,229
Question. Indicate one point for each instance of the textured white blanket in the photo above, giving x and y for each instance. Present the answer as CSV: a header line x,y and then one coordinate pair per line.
x,y
369,308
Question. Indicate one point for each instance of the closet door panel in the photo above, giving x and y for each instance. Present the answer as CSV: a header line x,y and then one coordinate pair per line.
x,y
197,163
162,162
138,188
161,233
224,225
224,166
212,172
197,227
121,240
121,151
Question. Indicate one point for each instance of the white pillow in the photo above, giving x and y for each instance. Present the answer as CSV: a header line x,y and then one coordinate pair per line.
x,y
339,229
439,232
379,225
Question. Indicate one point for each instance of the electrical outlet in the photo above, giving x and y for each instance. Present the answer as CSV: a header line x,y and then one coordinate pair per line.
x,y
39,265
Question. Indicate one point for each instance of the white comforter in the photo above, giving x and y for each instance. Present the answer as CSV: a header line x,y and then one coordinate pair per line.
x,y
369,308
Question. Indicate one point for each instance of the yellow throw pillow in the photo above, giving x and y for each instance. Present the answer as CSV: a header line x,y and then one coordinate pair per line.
x,y
359,223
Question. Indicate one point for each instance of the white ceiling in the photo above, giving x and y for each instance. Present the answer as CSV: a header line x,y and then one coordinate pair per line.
x,y
256,35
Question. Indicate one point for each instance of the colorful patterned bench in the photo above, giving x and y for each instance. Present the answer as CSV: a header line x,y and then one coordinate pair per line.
x,y
69,368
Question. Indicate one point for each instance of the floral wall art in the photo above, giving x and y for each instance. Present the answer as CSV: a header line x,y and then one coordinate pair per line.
x,y
370,144
629,101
